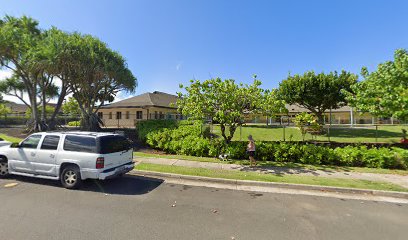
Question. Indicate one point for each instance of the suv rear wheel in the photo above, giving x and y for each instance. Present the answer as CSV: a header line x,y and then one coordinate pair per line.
x,y
3,167
71,177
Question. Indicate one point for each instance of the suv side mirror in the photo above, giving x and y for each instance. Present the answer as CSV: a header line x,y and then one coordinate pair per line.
x,y
15,145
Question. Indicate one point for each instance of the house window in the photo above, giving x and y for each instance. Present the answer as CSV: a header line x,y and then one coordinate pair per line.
x,y
155,115
100,115
118,115
161,115
127,114
110,115
139,115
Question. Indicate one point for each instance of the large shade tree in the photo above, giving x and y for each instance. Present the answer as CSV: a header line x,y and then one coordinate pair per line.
x,y
222,101
18,40
384,92
21,42
95,74
317,92
82,64
271,105
45,60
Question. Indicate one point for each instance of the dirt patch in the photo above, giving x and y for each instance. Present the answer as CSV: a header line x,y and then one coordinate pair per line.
x,y
14,132
147,149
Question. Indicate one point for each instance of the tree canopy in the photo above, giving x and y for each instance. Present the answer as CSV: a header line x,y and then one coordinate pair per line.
x,y
84,65
71,107
271,105
4,109
96,74
317,92
221,101
18,40
384,92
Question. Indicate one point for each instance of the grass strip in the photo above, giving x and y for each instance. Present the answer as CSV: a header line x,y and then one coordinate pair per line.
x,y
239,175
10,138
276,164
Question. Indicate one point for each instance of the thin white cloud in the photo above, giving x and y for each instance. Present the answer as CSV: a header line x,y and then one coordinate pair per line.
x,y
178,66
5,74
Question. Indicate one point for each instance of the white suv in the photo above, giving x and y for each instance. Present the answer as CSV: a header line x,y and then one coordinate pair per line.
x,y
68,156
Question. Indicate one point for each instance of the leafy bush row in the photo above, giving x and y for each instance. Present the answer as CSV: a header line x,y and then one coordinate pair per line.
x,y
151,126
74,123
192,140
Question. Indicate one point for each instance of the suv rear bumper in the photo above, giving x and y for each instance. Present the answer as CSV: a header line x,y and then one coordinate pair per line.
x,y
108,173
116,171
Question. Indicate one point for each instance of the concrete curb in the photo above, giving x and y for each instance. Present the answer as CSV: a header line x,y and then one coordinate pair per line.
x,y
241,184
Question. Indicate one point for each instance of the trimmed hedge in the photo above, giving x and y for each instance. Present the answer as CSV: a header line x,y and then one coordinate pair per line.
x,y
74,123
193,140
150,126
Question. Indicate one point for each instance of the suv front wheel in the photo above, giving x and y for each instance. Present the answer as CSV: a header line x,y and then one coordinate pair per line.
x,y
3,167
71,177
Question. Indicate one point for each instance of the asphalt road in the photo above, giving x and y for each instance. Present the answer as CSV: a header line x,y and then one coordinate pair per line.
x,y
132,208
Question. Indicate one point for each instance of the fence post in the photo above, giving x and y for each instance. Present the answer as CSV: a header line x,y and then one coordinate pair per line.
x,y
284,137
328,133
240,133
376,133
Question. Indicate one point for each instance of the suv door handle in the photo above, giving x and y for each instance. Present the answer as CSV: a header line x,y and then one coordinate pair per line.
x,y
32,154
52,155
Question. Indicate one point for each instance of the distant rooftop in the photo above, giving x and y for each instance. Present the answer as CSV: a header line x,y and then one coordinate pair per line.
x,y
21,108
16,107
297,109
155,99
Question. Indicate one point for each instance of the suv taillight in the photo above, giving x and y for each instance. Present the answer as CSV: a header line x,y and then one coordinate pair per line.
x,y
100,163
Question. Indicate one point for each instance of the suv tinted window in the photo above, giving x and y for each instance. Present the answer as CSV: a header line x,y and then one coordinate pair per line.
x,y
80,144
50,142
111,144
31,141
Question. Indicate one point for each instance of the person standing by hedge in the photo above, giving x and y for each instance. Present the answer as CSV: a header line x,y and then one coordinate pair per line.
x,y
251,151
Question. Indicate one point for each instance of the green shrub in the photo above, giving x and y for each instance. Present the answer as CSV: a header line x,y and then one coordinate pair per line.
x,y
400,159
74,123
188,138
143,128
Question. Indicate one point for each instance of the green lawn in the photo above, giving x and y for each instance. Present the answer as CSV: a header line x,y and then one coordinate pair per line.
x,y
276,164
338,134
10,138
238,175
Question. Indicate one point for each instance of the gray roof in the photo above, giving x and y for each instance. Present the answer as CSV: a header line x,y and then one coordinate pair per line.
x,y
155,99
22,108
297,109
16,107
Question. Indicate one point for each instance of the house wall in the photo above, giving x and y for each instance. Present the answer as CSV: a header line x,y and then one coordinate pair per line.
x,y
337,118
129,117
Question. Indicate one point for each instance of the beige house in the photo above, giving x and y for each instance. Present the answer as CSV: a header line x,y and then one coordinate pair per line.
x,y
343,115
126,113
160,105
16,108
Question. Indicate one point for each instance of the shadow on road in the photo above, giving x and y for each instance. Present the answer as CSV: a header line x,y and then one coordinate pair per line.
x,y
126,185
282,171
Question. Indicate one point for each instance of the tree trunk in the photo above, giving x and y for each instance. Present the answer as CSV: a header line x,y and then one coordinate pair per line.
x,y
320,118
34,125
43,122
90,122
52,124
232,130
222,126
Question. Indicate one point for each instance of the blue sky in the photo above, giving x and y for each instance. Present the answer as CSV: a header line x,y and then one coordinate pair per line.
x,y
170,42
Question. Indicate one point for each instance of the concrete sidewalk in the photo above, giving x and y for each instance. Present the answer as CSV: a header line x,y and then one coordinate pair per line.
x,y
391,178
